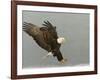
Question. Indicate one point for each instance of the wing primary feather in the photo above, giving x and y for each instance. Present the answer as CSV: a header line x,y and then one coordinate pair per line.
x,y
28,28
49,24
46,24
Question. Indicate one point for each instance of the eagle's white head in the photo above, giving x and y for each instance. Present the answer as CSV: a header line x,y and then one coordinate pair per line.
x,y
61,40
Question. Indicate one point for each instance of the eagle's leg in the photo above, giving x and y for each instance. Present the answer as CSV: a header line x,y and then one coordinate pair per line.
x,y
49,54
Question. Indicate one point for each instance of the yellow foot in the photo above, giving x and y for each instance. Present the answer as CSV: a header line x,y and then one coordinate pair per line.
x,y
63,61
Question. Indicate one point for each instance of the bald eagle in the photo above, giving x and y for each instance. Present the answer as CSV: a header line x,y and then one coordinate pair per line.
x,y
46,37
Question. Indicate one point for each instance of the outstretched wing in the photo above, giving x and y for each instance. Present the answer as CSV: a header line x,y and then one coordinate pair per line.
x,y
35,32
30,28
51,29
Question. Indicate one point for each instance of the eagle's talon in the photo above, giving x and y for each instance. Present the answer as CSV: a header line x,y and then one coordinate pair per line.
x,y
63,61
